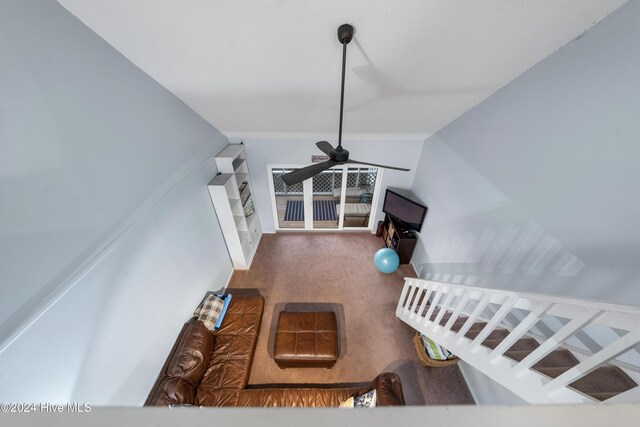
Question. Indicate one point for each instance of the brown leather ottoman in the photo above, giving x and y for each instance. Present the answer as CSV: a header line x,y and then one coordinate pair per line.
x,y
306,339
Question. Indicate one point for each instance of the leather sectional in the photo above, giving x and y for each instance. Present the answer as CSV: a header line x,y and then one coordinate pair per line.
x,y
207,368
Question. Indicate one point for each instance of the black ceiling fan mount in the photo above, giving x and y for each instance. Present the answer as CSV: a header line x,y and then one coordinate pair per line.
x,y
345,33
338,155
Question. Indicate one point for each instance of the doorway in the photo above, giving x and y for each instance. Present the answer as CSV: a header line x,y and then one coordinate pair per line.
x,y
341,198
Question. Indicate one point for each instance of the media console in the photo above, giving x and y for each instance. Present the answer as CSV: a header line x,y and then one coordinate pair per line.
x,y
401,239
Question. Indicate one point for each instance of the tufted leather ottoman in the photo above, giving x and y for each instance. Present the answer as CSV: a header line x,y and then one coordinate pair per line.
x,y
306,339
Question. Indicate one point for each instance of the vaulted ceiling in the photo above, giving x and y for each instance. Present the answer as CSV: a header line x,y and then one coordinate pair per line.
x,y
273,66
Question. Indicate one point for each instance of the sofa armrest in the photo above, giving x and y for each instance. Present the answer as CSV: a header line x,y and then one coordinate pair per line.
x,y
388,390
185,366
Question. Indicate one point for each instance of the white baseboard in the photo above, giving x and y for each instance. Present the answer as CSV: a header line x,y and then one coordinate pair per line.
x,y
415,268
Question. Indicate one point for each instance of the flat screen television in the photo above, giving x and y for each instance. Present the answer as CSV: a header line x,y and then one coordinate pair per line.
x,y
404,207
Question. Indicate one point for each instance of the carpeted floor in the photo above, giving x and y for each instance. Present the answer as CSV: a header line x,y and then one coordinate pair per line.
x,y
302,271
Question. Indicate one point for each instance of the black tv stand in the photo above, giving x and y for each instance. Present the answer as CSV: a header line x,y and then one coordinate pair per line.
x,y
400,238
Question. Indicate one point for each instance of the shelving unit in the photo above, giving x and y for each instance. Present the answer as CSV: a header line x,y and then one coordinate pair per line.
x,y
231,192
400,239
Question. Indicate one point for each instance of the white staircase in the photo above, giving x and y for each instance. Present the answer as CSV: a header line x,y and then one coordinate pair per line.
x,y
532,344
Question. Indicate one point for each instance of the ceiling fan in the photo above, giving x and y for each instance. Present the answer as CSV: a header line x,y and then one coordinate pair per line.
x,y
337,155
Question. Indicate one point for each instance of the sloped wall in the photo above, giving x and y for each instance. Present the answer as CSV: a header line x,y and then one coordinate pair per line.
x,y
536,188
108,238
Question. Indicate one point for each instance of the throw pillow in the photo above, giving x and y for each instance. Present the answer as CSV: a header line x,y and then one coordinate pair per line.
x,y
227,301
347,403
435,351
209,310
367,400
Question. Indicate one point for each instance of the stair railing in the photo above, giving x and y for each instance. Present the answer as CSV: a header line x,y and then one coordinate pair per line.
x,y
420,299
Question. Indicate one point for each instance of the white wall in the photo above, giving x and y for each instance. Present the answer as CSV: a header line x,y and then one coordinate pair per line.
x,y
108,238
263,151
536,188
486,391
105,340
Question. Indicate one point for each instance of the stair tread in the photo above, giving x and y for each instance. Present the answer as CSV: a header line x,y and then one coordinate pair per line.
x,y
602,383
553,372
523,344
495,334
475,327
457,325
557,358
528,344
517,355
605,379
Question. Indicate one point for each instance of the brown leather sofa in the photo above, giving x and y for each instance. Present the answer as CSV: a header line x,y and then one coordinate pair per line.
x,y
208,368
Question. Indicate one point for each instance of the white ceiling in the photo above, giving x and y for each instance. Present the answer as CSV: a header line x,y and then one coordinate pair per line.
x,y
273,66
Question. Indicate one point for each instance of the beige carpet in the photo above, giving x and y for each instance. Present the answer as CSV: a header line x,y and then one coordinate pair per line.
x,y
302,271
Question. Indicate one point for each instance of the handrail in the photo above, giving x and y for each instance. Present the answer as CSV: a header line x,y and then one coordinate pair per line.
x,y
591,303
616,313
424,303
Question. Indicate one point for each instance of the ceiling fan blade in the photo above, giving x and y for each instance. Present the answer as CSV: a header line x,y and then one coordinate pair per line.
x,y
325,147
380,166
299,175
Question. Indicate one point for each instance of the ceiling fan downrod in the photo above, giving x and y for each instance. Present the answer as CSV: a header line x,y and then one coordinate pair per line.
x,y
338,155
345,35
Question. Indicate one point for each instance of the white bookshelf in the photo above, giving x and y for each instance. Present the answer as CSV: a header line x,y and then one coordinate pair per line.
x,y
230,191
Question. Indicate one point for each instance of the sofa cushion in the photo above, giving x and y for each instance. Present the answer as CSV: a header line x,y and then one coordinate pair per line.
x,y
230,363
218,396
243,316
388,392
172,391
294,397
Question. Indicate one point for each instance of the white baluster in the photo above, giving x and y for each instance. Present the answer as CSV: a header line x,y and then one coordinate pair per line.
x,y
472,319
403,295
424,296
493,323
552,343
523,327
407,307
416,296
456,313
603,356
434,303
444,307
425,301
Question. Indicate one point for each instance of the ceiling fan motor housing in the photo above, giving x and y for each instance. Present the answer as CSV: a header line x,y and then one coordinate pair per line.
x,y
345,33
339,154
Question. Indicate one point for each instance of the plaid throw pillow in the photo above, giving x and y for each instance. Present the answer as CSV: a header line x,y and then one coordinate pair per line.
x,y
209,310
